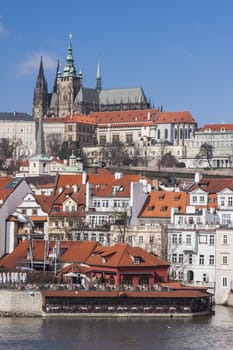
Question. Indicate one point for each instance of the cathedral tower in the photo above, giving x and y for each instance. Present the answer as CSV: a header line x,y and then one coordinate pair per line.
x,y
65,88
40,98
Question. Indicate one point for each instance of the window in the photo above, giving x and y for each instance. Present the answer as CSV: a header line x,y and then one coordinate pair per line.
x,y
225,260
203,239
194,198
136,260
166,134
173,275
180,275
140,239
212,240
204,277
181,258
115,138
101,238
158,134
201,259
103,140
230,201
174,258
202,199
211,259
226,219
34,211
222,201
225,282
96,203
129,239
129,139
180,238
188,239
85,237
190,259
225,239
174,238
105,203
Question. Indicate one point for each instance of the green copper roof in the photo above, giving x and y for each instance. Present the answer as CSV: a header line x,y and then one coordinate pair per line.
x,y
69,70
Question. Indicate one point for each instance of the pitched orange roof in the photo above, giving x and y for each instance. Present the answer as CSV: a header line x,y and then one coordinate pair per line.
x,y
79,251
122,255
81,118
44,201
160,203
175,118
132,117
121,186
213,184
217,127
4,189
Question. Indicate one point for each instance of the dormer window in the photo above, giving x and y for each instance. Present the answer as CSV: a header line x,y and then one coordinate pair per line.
x,y
104,260
151,208
137,260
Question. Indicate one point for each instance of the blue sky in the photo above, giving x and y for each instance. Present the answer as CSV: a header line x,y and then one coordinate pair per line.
x,y
179,51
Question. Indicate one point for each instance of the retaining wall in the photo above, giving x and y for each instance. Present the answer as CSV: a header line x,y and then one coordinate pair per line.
x,y
28,303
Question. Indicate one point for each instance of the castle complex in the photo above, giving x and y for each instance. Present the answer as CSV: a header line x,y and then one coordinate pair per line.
x,y
69,96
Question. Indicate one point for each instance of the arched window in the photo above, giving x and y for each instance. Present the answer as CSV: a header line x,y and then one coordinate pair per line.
x,y
158,134
185,133
190,275
181,133
176,134
166,134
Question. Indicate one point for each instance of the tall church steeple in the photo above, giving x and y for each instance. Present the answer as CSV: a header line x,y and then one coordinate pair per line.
x,y
69,70
39,164
40,144
98,79
40,98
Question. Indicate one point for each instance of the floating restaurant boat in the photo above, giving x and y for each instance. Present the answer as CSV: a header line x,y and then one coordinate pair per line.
x,y
174,303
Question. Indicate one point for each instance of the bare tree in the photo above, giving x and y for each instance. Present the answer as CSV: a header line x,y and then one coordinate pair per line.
x,y
167,160
54,143
6,149
206,152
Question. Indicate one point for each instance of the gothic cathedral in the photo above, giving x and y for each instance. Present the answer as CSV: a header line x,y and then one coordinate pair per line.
x,y
69,96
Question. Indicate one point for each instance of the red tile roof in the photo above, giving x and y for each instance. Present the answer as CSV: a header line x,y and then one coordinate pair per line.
x,y
79,251
159,204
45,202
122,255
81,118
130,117
213,184
4,190
175,118
217,127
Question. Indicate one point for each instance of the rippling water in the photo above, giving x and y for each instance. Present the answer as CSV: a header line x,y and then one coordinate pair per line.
x,y
204,333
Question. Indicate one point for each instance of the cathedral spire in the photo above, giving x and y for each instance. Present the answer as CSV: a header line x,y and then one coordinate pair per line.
x,y
40,145
98,79
41,70
69,70
40,97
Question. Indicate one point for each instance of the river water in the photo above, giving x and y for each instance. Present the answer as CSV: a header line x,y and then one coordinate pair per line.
x,y
205,333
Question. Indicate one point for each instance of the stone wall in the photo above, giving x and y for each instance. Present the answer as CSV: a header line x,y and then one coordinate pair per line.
x,y
28,303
